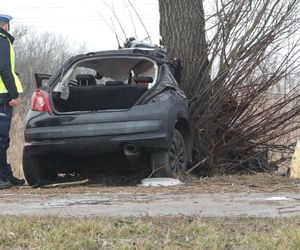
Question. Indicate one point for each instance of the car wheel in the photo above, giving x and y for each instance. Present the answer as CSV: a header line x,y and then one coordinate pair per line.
x,y
34,173
171,163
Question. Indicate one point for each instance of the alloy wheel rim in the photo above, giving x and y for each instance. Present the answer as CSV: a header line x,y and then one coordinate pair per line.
x,y
177,156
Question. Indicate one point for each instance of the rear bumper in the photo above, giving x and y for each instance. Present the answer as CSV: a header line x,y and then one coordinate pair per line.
x,y
96,144
148,126
92,130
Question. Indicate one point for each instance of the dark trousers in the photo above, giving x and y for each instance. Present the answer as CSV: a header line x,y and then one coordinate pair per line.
x,y
6,112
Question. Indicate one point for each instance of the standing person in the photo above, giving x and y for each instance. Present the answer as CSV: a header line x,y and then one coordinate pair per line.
x,y
10,87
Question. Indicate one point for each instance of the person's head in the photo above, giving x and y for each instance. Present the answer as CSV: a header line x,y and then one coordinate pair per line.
x,y
5,21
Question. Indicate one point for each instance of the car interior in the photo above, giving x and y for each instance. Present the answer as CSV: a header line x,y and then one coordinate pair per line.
x,y
106,84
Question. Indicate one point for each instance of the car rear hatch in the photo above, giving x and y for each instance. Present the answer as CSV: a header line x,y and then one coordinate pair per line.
x,y
104,84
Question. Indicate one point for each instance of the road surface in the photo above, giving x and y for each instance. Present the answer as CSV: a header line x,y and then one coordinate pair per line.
x,y
149,203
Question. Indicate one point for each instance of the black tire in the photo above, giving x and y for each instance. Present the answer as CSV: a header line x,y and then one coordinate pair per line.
x,y
171,163
34,174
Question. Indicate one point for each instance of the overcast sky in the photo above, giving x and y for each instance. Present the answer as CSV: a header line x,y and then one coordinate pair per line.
x,y
84,22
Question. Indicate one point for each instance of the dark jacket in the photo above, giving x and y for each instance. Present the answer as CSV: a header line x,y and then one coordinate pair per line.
x,y
5,68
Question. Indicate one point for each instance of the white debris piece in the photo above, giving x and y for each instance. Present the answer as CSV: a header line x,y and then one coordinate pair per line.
x,y
161,182
280,198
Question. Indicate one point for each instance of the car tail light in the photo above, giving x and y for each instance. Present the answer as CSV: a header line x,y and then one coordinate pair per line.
x,y
40,101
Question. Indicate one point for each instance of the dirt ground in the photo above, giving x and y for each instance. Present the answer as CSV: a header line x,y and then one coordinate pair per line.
x,y
252,195
131,184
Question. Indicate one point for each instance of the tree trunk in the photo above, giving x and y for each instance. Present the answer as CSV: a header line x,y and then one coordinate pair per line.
x,y
238,119
183,33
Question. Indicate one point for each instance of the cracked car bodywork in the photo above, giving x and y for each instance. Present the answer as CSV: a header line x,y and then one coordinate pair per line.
x,y
115,108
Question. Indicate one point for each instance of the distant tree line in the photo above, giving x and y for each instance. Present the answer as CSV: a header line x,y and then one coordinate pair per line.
x,y
39,52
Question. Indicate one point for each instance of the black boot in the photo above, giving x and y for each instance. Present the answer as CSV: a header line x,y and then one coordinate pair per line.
x,y
5,183
16,181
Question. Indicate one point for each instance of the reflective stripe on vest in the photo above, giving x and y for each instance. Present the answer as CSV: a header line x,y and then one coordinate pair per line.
x,y
12,61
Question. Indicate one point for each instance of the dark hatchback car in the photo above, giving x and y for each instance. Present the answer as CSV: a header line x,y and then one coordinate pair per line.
x,y
123,105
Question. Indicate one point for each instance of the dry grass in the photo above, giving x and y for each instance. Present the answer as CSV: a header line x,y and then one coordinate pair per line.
x,y
16,144
149,233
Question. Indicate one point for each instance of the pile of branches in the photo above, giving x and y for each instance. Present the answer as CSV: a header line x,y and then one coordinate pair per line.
x,y
247,101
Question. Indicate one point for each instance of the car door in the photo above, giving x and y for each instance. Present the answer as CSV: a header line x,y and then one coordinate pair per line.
x,y
41,79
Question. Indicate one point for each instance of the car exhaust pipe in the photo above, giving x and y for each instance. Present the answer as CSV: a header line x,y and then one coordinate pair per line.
x,y
133,153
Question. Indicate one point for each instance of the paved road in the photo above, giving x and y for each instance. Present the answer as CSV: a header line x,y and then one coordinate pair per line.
x,y
147,204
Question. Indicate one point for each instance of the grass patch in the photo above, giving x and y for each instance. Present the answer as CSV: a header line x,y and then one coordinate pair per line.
x,y
149,233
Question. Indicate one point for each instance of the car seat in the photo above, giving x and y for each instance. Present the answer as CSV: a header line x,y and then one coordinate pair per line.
x,y
85,80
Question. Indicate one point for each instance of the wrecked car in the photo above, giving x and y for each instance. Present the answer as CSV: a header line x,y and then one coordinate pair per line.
x,y
123,102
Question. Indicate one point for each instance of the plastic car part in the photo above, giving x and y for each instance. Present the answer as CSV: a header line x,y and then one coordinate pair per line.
x,y
40,101
161,182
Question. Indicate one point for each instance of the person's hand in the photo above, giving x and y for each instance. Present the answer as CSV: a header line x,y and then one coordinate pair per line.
x,y
15,102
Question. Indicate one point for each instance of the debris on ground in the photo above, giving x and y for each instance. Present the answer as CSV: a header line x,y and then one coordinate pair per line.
x,y
161,182
67,184
278,198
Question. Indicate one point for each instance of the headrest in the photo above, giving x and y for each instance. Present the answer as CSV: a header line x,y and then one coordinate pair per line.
x,y
114,83
144,79
86,79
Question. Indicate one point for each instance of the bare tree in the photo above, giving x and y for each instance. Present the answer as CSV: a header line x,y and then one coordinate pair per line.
x,y
238,120
183,32
39,53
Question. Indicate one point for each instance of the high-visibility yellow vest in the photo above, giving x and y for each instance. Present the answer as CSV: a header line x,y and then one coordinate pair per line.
x,y
12,61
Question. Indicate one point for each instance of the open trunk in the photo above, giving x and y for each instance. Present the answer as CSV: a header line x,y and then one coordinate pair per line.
x,y
104,84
